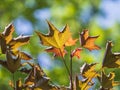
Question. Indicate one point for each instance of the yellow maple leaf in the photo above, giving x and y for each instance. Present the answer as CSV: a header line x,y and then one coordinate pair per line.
x,y
55,38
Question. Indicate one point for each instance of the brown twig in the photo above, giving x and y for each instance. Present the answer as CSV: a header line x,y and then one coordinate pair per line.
x,y
71,82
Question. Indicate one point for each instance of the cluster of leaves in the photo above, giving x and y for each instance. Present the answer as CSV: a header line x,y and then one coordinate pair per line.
x,y
57,42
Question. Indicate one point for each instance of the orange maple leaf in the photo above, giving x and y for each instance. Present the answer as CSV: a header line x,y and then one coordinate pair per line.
x,y
88,41
76,52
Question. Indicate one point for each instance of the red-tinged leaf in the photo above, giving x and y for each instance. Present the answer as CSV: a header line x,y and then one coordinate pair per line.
x,y
71,42
111,60
76,52
88,41
56,51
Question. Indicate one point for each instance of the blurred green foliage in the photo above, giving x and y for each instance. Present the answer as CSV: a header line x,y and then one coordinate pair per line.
x,y
78,14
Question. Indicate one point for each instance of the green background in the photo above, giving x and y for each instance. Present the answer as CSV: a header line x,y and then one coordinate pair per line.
x,y
31,15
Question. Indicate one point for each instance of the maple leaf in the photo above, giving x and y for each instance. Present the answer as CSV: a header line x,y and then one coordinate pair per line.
x,y
88,41
12,44
56,51
87,71
107,81
55,39
76,52
111,60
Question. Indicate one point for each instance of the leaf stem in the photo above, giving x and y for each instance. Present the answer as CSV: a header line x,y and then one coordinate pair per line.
x,y
71,81
65,63
71,73
66,66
